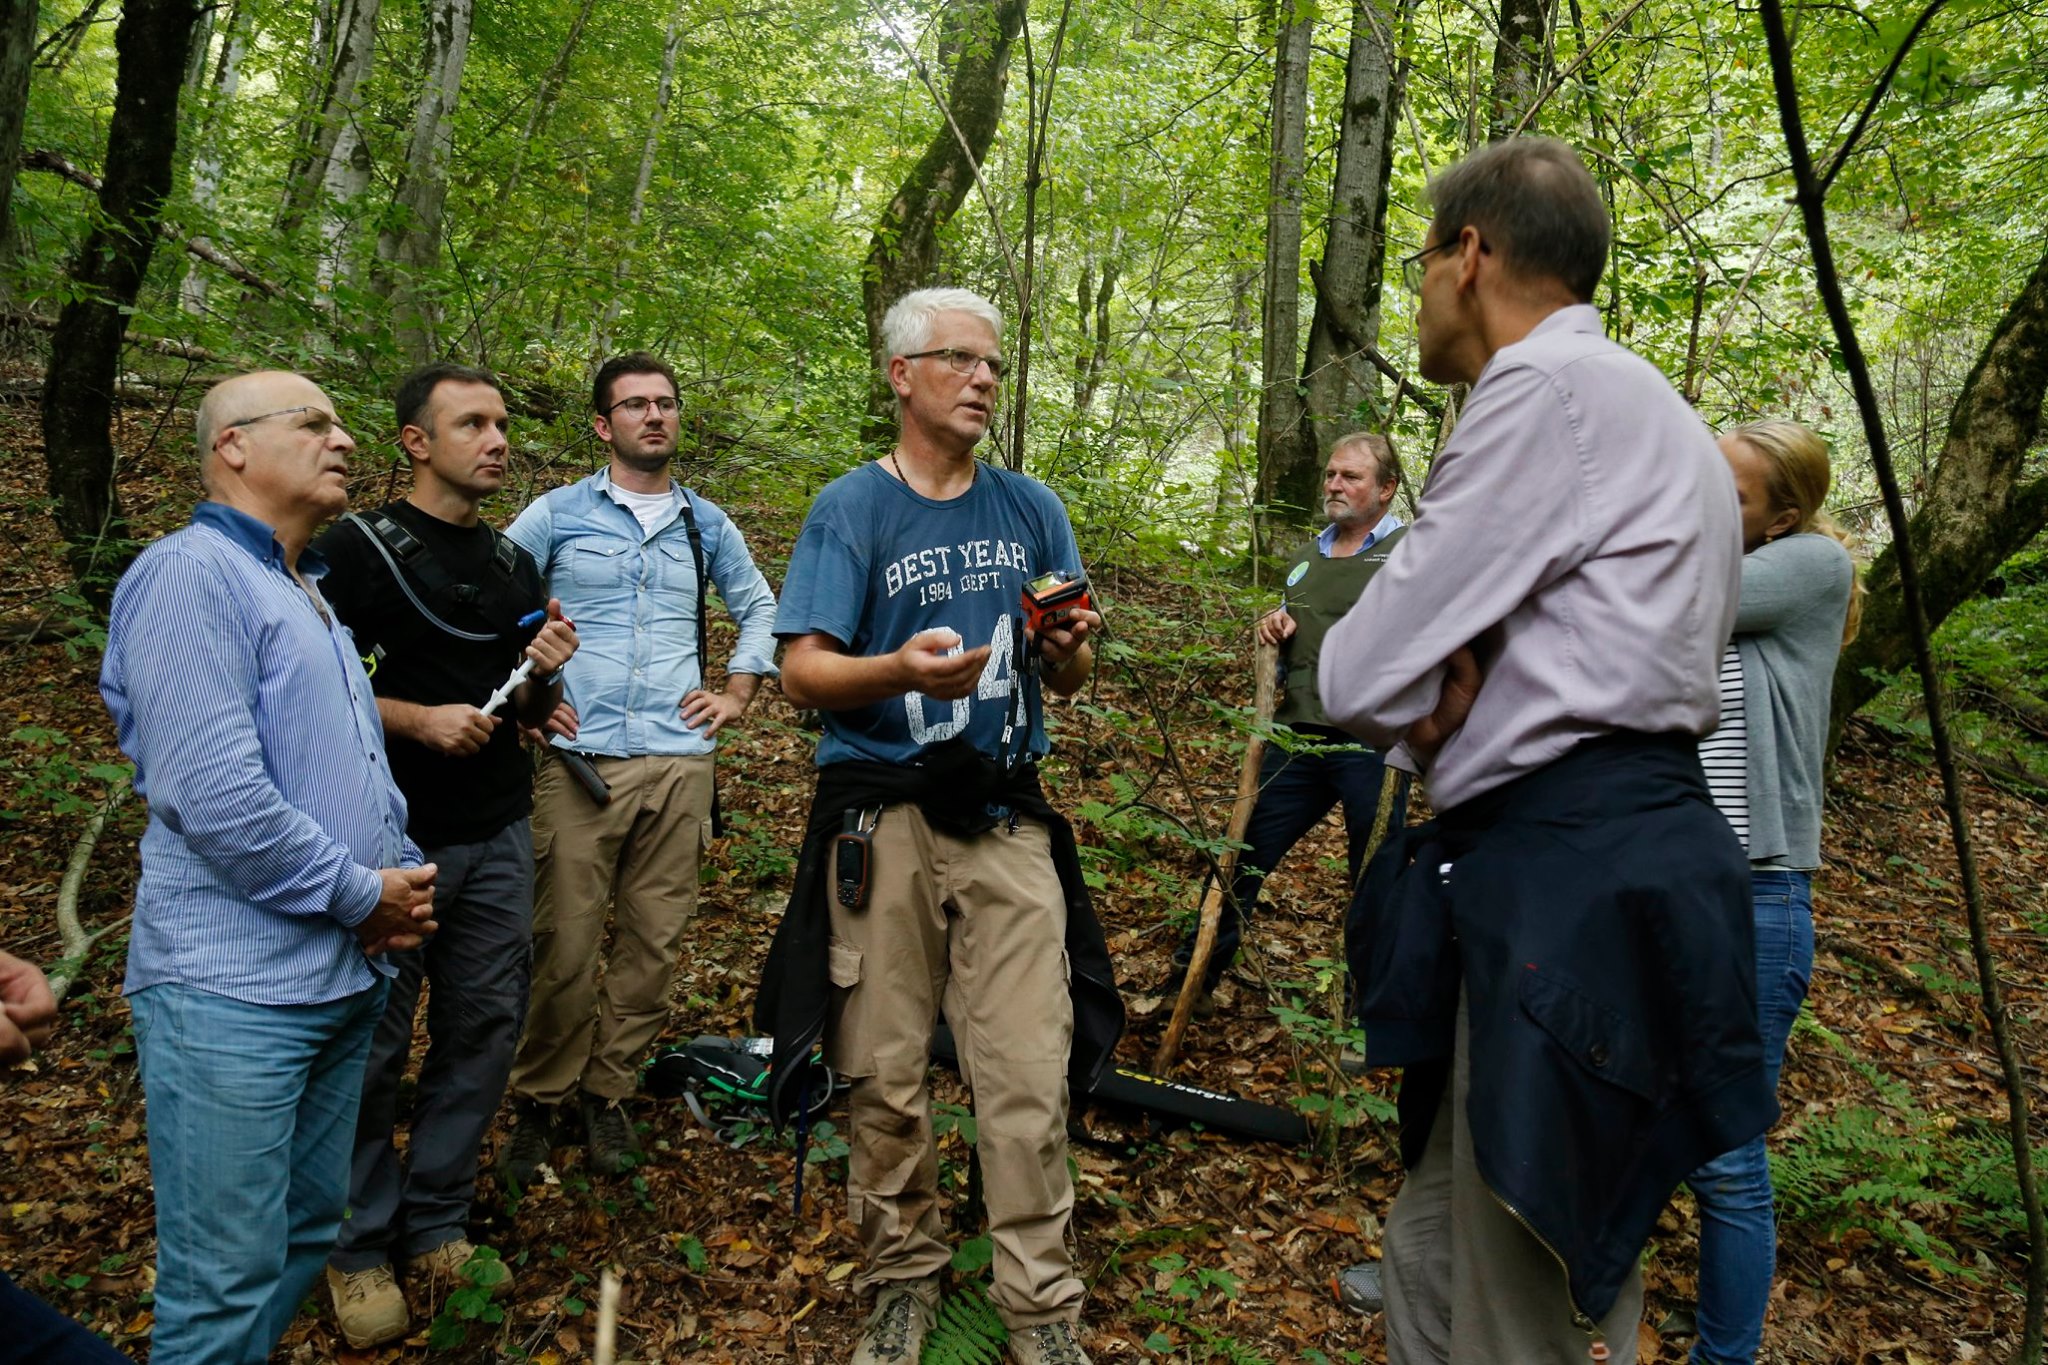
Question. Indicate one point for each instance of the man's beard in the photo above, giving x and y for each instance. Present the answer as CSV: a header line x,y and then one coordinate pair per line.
x,y
643,462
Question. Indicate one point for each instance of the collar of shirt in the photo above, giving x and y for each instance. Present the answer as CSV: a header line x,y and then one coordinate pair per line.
x,y
1326,539
257,538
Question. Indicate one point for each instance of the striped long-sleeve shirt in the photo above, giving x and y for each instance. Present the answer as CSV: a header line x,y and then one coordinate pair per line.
x,y
257,743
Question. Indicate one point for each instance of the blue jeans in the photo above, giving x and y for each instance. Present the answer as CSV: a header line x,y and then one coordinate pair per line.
x,y
1738,1232
251,1110
1296,791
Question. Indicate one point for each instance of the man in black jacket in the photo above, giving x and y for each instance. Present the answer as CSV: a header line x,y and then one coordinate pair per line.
x,y
953,883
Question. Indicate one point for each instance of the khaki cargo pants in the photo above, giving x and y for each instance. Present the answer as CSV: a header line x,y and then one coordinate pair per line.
x,y
637,860
978,926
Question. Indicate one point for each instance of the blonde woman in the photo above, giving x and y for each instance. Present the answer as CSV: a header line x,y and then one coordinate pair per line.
x,y
1800,604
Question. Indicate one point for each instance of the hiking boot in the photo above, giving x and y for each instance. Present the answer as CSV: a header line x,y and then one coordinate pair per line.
x,y
532,1142
614,1146
1049,1343
368,1306
895,1331
1358,1287
454,1265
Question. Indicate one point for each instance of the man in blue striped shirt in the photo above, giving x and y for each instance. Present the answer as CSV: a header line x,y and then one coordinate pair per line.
x,y
275,872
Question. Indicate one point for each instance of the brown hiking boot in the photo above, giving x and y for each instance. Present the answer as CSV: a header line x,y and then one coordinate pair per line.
x,y
614,1145
455,1265
1049,1343
531,1143
368,1306
895,1331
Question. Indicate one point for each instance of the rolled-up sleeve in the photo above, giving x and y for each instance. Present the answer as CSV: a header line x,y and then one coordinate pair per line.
x,y
1504,514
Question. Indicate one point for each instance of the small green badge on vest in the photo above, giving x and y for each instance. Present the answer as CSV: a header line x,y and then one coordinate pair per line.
x,y
1300,572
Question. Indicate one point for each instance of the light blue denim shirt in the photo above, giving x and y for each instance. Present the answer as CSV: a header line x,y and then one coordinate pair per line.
x,y
1326,539
633,597
257,743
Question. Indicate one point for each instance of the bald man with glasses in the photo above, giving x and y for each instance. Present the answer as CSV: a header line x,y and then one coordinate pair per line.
x,y
276,873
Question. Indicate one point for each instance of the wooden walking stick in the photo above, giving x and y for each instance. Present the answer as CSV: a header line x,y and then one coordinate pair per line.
x,y
1266,667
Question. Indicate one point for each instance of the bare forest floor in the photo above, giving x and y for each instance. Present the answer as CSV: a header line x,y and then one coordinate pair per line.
x,y
1202,1246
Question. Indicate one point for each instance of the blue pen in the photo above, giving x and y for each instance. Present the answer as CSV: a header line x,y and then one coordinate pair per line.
x,y
533,618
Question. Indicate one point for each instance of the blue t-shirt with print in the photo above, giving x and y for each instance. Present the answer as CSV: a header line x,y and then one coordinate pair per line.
x,y
877,562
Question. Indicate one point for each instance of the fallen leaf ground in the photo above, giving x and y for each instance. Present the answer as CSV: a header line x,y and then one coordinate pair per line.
x,y
1195,1246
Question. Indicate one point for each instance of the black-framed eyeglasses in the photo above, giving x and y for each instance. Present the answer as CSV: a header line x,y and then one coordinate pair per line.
x,y
1412,267
320,423
962,362
636,408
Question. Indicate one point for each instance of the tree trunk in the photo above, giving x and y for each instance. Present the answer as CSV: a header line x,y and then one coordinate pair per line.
x,y
904,250
17,56
210,161
1520,59
412,244
621,272
320,71
332,133
1337,377
78,392
536,119
1280,407
1091,301
1979,508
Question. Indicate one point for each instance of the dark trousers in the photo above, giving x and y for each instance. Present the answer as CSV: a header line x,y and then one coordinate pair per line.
x,y
480,964
1296,791
37,1334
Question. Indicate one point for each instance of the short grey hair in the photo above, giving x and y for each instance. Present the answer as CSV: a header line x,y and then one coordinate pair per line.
x,y
1535,204
907,326
1385,463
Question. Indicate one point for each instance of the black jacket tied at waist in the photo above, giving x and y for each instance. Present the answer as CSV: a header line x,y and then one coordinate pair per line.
x,y
962,792
1597,915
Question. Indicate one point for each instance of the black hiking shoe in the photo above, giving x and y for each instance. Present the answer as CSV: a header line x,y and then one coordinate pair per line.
x,y
532,1142
614,1145
1358,1287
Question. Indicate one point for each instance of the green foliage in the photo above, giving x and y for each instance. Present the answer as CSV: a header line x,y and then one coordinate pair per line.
x,y
967,1331
470,1301
1905,1176
44,776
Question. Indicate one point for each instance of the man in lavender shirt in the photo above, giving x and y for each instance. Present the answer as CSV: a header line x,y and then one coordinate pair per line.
x,y
1562,959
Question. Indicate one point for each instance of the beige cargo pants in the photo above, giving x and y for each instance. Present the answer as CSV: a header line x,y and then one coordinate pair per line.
x,y
978,926
635,860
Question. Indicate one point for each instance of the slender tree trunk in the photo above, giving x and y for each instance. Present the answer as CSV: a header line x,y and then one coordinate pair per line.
x,y
1980,508
17,56
78,393
536,119
210,161
412,244
1091,306
1811,197
1519,63
904,251
320,72
1280,405
331,131
1337,378
621,272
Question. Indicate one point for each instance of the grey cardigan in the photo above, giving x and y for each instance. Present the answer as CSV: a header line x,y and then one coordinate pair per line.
x,y
1788,630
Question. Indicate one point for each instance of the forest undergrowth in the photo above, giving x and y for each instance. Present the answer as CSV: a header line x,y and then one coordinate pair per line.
x,y
1901,1232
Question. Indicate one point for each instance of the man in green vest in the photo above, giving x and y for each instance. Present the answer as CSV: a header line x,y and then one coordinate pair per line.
x,y
1301,778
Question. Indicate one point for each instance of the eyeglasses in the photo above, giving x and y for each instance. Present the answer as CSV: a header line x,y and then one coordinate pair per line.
x,y
962,362
319,424
636,408
1412,267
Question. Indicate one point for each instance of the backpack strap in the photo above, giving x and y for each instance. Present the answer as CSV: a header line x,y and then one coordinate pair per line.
x,y
703,633
398,548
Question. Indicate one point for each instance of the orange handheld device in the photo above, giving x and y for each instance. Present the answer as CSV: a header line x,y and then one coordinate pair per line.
x,y
1051,599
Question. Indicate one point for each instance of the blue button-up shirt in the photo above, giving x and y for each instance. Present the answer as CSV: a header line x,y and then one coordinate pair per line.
x,y
256,741
1326,539
633,597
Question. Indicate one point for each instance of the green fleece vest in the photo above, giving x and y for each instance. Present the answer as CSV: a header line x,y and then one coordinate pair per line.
x,y
1319,591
